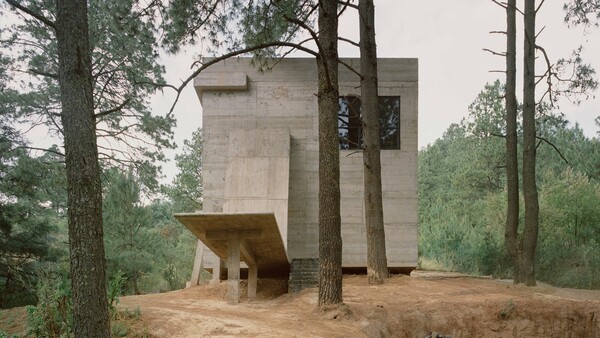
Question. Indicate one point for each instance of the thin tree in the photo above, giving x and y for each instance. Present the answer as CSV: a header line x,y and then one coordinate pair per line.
x,y
330,238
87,268
521,248
512,166
377,269
530,230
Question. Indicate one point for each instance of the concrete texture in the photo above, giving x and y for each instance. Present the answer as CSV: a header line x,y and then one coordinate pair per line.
x,y
261,154
257,174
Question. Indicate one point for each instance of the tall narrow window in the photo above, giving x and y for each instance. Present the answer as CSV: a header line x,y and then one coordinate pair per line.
x,y
350,123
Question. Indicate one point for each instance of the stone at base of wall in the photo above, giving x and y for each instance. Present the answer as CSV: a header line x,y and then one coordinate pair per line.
x,y
304,273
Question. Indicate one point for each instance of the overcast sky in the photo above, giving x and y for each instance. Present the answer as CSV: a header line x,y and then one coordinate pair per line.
x,y
447,37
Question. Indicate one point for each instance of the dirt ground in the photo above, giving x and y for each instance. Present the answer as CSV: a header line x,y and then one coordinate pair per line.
x,y
447,303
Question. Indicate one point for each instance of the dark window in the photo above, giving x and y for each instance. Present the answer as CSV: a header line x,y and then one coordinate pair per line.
x,y
350,126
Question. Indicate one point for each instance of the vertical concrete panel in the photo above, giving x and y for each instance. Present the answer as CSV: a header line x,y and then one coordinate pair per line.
x,y
257,176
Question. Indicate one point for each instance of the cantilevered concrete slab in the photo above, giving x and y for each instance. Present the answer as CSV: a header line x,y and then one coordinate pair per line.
x,y
258,232
253,238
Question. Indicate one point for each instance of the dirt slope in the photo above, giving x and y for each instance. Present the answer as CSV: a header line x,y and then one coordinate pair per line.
x,y
415,306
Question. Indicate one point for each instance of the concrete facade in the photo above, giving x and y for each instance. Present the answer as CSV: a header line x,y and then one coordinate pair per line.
x,y
249,167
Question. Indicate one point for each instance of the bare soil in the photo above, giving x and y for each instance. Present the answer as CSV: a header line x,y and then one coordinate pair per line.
x,y
405,306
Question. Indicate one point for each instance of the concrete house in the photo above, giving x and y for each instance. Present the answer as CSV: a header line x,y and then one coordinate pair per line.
x,y
260,168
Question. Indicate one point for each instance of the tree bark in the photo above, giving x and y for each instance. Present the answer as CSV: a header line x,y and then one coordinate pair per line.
x,y
87,263
530,232
330,238
377,270
511,239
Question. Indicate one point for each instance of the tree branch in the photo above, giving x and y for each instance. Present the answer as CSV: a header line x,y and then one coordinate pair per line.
x,y
38,16
348,4
279,59
157,85
115,109
42,73
553,146
539,6
494,53
501,4
345,64
548,72
540,32
505,5
42,149
309,29
232,54
348,41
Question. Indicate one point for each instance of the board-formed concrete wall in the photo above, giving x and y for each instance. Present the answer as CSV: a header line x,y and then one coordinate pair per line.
x,y
235,96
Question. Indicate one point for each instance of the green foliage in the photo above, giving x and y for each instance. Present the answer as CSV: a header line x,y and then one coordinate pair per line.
x,y
127,229
144,241
53,315
125,74
569,224
119,329
259,27
115,287
462,198
186,189
27,221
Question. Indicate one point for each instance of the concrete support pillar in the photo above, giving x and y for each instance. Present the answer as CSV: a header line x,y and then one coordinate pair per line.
x,y
252,280
223,272
217,268
233,267
198,264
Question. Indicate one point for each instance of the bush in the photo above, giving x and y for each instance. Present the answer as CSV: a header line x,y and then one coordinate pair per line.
x,y
53,315
470,238
115,288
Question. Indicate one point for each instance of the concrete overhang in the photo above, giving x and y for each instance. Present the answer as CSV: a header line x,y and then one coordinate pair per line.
x,y
260,240
234,81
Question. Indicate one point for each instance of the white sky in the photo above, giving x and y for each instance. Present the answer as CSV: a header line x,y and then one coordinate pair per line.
x,y
448,38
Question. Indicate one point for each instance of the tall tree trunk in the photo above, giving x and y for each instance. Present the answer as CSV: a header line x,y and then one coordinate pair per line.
x,y
530,232
330,238
88,281
512,166
377,269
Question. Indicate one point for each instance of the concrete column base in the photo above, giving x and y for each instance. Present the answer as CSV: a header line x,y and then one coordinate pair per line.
x,y
233,268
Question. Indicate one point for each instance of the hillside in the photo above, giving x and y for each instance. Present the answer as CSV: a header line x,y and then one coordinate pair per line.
x,y
415,306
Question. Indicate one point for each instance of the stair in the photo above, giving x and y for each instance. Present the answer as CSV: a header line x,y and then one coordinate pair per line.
x,y
304,273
